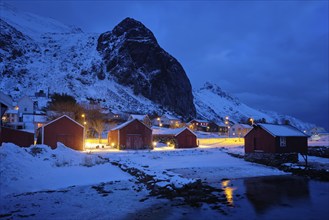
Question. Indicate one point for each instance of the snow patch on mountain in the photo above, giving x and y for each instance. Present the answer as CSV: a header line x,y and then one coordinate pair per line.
x,y
31,24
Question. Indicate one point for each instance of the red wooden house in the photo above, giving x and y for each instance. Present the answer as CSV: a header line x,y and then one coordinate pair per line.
x,y
270,138
179,137
132,134
65,130
18,137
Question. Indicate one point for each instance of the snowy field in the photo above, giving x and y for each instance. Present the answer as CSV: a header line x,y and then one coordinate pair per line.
x,y
40,183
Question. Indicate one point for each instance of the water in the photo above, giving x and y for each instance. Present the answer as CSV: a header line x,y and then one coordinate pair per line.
x,y
276,197
271,197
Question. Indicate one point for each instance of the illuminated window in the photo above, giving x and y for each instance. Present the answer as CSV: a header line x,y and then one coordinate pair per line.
x,y
283,142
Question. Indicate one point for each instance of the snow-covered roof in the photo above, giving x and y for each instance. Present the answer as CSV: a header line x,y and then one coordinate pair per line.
x,y
125,124
139,117
282,130
170,117
5,99
12,111
243,126
63,117
200,121
169,131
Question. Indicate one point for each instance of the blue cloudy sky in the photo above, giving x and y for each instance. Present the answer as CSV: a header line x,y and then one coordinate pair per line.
x,y
272,55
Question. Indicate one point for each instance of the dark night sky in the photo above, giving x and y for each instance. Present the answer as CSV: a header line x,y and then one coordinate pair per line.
x,y
273,55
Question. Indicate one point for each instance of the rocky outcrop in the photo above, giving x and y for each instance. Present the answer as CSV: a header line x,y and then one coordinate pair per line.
x,y
134,58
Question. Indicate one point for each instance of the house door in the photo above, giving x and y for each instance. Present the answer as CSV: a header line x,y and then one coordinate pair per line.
x,y
134,141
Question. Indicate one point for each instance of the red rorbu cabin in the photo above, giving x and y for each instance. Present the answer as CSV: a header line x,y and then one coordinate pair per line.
x,y
65,130
270,138
132,134
181,137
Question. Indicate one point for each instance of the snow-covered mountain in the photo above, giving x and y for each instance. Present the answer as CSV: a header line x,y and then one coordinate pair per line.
x,y
39,53
214,104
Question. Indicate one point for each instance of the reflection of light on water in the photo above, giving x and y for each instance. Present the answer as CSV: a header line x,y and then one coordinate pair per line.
x,y
228,191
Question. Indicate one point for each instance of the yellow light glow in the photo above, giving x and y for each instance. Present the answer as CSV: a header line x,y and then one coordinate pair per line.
x,y
160,125
83,115
158,119
112,144
168,143
16,107
154,143
84,122
228,191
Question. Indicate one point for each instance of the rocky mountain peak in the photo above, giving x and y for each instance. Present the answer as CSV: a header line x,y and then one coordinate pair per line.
x,y
132,29
133,57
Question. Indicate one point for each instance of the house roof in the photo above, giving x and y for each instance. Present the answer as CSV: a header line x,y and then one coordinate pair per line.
x,y
282,130
199,121
127,123
244,126
169,131
5,99
12,111
170,117
139,117
63,116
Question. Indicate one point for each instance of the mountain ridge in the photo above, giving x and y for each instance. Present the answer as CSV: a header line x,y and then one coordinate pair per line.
x,y
75,61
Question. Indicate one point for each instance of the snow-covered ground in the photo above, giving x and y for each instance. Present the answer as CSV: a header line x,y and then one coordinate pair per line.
x,y
41,183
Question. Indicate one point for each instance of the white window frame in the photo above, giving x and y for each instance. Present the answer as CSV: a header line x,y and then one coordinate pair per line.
x,y
283,142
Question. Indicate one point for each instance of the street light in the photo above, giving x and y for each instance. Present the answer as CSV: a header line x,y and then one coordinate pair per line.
x,y
252,121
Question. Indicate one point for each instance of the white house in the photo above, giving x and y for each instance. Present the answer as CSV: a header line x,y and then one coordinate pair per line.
x,y
239,130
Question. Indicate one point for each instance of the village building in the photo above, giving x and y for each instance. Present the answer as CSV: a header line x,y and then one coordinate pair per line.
x,y
178,138
64,130
167,121
239,130
19,137
132,134
198,125
222,129
142,118
267,140
25,105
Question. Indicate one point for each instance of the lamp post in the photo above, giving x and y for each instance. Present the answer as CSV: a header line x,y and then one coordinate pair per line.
x,y
84,126
227,123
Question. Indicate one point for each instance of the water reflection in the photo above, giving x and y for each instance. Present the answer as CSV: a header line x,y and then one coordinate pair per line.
x,y
266,192
228,190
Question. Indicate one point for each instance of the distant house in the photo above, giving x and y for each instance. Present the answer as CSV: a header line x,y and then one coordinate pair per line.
x,y
167,121
63,129
132,134
239,130
142,118
223,129
270,138
11,119
199,125
25,105
179,137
